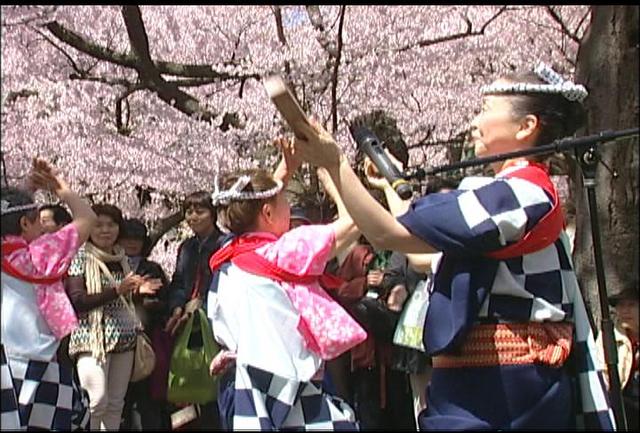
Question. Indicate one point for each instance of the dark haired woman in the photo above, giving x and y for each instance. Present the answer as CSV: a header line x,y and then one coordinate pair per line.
x,y
506,310
192,276
103,344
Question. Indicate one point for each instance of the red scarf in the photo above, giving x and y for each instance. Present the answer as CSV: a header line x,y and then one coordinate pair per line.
x,y
11,247
241,252
547,230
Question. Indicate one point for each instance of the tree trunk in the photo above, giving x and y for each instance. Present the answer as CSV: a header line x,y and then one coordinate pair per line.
x,y
607,64
161,227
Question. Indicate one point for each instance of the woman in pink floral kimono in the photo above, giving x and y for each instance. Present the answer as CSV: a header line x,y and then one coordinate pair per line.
x,y
270,313
37,391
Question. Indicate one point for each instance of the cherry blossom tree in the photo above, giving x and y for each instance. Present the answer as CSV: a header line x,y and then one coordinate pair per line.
x,y
141,105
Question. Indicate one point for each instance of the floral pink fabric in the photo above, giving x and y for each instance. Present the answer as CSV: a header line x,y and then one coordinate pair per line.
x,y
50,255
326,327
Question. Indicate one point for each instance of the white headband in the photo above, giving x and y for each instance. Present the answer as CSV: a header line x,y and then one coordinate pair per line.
x,y
235,193
557,84
6,208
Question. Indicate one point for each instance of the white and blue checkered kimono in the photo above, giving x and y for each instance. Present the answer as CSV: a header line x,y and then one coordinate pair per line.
x,y
274,386
37,392
482,216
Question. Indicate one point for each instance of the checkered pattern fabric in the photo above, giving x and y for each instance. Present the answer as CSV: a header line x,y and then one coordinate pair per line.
x,y
10,417
594,409
41,395
486,215
264,401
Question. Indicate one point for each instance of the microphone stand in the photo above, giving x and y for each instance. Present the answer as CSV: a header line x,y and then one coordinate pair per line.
x,y
587,155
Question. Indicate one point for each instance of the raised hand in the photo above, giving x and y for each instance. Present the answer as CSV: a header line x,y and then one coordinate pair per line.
x,y
373,177
319,147
43,177
374,278
290,160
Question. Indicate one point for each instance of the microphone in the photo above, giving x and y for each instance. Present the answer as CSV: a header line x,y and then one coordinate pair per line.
x,y
371,146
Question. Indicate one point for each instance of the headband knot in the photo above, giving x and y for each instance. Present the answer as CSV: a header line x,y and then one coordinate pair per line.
x,y
555,84
236,193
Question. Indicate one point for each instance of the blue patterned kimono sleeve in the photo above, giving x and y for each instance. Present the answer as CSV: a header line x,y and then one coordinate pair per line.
x,y
476,221
483,215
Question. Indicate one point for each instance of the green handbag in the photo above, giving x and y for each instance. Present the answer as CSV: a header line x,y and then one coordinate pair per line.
x,y
189,378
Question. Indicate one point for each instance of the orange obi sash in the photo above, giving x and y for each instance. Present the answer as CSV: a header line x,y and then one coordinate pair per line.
x,y
512,344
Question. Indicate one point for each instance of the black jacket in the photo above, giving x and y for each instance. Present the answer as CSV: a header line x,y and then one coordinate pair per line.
x,y
192,269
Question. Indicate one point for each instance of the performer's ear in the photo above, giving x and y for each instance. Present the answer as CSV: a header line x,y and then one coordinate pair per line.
x,y
529,126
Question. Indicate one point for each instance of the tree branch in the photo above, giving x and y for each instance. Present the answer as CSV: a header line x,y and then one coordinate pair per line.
x,y
584,17
105,80
74,65
44,13
469,32
129,61
24,93
554,15
277,12
315,17
4,169
334,78
123,124
167,91
162,226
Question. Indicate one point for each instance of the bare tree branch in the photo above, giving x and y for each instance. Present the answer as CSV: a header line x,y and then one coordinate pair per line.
x,y
167,91
554,15
105,80
122,123
4,169
74,65
334,78
277,12
162,226
315,17
92,49
584,17
469,32
24,93
44,14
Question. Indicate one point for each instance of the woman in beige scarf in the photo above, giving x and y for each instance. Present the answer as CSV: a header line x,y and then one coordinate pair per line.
x,y
99,284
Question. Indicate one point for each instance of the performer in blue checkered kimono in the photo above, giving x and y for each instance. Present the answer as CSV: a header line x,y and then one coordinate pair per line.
x,y
38,393
507,328
271,314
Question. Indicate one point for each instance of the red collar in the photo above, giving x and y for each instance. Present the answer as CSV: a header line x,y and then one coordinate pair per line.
x,y
11,246
241,252
548,229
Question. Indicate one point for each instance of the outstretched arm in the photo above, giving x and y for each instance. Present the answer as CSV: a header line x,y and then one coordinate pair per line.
x,y
344,227
373,220
43,177
418,262
289,163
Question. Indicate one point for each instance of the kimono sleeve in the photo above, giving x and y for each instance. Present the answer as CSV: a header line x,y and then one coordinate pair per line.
x,y
52,253
478,220
303,251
